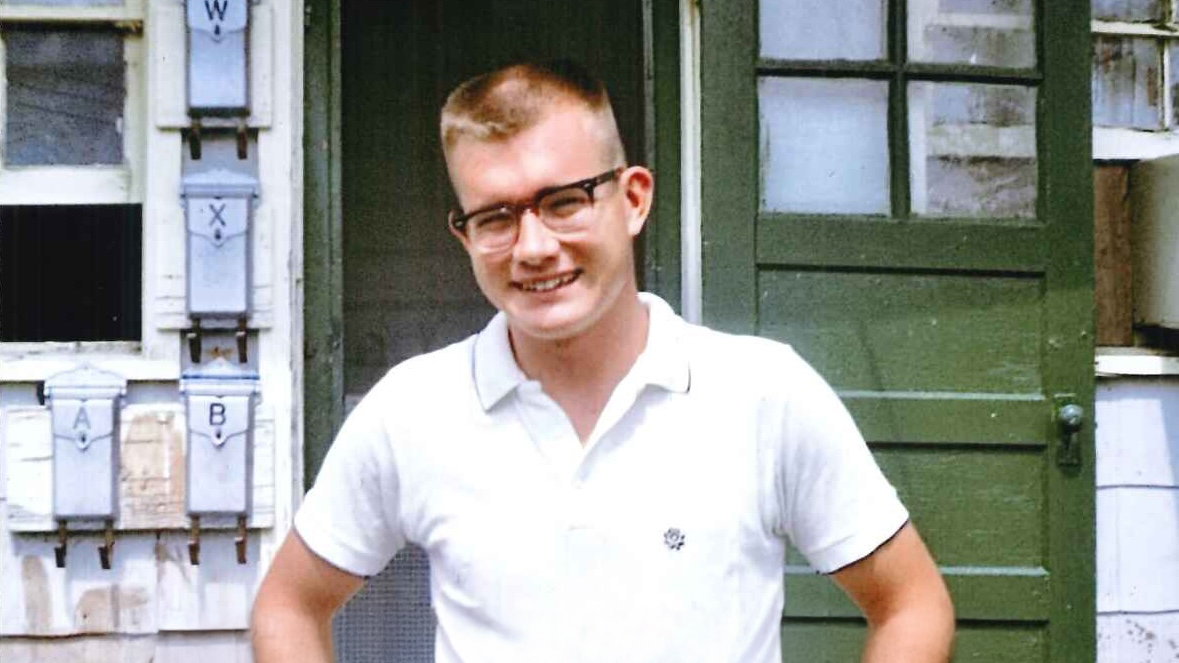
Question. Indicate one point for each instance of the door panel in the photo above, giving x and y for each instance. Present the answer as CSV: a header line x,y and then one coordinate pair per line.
x,y
943,289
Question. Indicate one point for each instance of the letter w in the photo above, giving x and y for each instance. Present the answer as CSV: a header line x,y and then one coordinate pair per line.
x,y
217,7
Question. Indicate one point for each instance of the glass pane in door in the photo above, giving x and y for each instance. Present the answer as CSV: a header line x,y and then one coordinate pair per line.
x,y
1128,10
997,33
972,150
804,30
824,146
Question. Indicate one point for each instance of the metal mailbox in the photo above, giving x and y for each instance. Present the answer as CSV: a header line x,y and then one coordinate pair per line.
x,y
85,404
219,403
217,57
218,207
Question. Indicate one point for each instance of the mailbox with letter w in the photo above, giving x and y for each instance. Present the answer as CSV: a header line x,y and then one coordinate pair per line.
x,y
217,57
219,404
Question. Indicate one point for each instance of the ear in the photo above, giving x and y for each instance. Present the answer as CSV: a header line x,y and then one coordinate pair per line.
x,y
638,186
459,235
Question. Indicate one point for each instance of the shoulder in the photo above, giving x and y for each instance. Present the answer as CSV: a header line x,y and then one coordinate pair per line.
x,y
421,385
759,364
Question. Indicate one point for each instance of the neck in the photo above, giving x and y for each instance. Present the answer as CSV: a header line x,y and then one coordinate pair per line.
x,y
581,372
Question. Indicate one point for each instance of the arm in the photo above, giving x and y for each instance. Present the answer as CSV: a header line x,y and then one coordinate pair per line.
x,y
902,595
292,614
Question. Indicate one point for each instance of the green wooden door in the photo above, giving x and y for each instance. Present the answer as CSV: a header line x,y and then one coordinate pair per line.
x,y
902,191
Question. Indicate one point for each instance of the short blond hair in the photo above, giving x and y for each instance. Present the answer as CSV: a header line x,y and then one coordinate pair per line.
x,y
503,103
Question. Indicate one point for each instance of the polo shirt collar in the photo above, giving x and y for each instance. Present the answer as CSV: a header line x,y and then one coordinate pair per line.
x,y
494,366
663,362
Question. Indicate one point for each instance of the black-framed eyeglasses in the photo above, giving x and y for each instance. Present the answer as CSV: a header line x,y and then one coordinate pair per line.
x,y
562,209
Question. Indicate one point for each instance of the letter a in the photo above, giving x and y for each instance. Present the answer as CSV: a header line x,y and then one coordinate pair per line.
x,y
82,421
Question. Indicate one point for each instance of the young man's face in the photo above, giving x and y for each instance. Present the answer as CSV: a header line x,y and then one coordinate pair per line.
x,y
553,286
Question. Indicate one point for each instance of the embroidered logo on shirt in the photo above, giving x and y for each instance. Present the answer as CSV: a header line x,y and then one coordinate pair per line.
x,y
673,539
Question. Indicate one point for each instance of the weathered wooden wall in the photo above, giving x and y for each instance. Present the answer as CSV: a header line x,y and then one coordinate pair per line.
x,y
152,587
222,647
153,605
152,473
1138,519
1111,244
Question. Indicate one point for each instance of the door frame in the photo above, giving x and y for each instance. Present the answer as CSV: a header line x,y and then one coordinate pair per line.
x,y
1064,141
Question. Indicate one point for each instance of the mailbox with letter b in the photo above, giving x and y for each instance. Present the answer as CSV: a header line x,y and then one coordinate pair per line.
x,y
85,404
219,403
218,205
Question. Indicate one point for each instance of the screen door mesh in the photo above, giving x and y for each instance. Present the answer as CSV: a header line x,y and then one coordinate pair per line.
x,y
390,620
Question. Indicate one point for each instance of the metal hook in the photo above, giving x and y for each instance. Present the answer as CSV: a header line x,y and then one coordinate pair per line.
x,y
194,341
242,140
59,551
240,541
108,544
194,541
194,139
241,334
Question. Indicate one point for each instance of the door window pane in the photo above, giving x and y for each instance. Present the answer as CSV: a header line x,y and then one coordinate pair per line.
x,y
1128,10
973,150
804,30
66,88
1126,82
824,145
997,33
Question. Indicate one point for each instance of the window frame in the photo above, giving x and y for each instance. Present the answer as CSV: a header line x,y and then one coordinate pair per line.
x,y
153,356
1125,143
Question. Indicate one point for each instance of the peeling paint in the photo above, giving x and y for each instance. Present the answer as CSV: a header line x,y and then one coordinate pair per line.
x,y
95,611
35,583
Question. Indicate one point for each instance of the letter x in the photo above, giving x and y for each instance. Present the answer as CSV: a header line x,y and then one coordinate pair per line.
x,y
217,212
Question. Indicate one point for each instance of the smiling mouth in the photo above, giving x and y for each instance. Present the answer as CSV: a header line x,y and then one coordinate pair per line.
x,y
548,285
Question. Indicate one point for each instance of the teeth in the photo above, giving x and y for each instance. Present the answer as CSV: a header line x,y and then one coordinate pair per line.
x,y
549,284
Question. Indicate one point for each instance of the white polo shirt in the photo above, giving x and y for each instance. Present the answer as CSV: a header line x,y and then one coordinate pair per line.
x,y
662,539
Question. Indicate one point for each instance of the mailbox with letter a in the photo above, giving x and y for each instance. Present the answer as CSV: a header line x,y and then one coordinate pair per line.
x,y
219,404
84,404
218,205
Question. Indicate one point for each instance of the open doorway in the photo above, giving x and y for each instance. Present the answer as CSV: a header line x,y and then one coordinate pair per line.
x,y
407,286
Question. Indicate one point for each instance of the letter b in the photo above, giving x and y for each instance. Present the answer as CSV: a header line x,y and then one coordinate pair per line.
x,y
217,414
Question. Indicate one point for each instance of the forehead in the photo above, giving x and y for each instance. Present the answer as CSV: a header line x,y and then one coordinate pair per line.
x,y
566,144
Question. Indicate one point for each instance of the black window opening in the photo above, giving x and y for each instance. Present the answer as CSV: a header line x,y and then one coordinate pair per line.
x,y
71,272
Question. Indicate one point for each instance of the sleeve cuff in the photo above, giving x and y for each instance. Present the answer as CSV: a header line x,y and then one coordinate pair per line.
x,y
861,543
332,550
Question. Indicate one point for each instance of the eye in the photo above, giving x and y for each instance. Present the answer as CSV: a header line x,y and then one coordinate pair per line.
x,y
564,203
498,220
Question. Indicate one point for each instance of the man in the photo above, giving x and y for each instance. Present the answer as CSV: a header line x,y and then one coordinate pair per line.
x,y
592,478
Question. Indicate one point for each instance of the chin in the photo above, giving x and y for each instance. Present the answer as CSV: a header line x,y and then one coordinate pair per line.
x,y
547,326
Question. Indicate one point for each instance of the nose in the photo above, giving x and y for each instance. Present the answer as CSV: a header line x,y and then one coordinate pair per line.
x,y
534,241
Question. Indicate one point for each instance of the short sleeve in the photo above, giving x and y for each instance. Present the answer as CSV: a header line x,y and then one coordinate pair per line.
x,y
350,517
837,506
